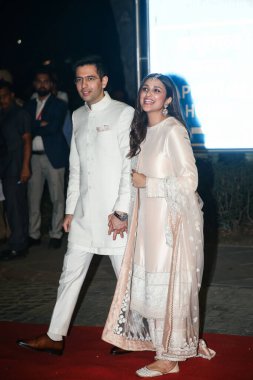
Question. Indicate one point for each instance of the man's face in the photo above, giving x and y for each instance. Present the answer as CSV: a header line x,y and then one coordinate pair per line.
x,y
43,85
89,85
6,98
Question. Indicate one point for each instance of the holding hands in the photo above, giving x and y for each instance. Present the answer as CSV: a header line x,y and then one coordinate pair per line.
x,y
117,226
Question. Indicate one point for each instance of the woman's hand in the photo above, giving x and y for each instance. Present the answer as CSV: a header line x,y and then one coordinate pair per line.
x,y
138,179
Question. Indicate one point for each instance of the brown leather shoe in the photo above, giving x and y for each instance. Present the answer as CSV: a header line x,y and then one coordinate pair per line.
x,y
44,344
118,351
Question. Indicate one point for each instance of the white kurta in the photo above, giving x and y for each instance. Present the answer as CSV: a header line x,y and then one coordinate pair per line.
x,y
99,180
155,306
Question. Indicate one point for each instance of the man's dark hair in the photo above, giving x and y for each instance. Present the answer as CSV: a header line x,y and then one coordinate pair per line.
x,y
43,70
5,84
95,60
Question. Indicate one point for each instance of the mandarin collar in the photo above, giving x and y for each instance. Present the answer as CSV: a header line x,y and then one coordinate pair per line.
x,y
103,103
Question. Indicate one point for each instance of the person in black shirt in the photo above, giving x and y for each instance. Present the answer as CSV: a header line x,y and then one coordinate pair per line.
x,y
15,154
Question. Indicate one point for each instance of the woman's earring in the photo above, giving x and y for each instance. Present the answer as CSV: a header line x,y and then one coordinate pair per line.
x,y
165,110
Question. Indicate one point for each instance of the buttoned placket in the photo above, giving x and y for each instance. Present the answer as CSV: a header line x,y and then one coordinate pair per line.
x,y
90,160
90,148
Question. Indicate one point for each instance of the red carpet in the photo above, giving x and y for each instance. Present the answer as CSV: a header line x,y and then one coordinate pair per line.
x,y
86,357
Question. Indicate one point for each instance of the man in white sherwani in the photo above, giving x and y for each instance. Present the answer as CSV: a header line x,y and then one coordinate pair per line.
x,y
98,191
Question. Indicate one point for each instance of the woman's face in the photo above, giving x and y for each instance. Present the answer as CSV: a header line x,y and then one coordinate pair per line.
x,y
153,96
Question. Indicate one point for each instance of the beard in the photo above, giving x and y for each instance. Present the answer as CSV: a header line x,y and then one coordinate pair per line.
x,y
43,92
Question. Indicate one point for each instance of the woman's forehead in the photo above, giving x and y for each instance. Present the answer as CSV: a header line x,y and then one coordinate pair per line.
x,y
154,82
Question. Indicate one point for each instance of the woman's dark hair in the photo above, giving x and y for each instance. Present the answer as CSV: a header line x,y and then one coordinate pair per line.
x,y
139,124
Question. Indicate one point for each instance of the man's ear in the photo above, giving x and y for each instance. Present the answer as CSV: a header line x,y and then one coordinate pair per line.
x,y
104,81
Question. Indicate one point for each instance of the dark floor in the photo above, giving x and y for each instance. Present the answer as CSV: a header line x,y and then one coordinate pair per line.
x,y
28,289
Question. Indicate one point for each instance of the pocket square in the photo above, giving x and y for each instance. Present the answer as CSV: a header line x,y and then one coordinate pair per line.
x,y
103,128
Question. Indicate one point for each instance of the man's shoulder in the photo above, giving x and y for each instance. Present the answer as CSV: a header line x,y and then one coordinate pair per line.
x,y
120,105
79,111
20,111
117,106
30,103
56,101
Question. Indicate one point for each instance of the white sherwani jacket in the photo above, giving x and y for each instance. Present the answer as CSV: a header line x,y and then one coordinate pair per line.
x,y
99,180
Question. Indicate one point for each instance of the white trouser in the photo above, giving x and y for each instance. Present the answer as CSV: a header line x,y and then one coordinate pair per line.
x,y
75,267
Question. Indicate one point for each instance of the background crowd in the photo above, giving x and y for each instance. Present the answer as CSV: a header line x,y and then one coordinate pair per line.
x,y
32,156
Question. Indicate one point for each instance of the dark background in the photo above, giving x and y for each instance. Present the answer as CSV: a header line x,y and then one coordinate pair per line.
x,y
59,31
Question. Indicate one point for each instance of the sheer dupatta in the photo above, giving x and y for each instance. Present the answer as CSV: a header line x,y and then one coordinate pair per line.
x,y
179,330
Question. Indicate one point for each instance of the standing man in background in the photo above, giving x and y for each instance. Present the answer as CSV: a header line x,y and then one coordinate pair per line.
x,y
50,155
99,187
15,154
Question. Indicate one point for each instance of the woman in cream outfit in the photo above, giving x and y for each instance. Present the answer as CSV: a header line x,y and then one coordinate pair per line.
x,y
155,306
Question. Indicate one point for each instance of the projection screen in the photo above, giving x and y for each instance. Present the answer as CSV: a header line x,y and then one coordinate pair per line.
x,y
207,48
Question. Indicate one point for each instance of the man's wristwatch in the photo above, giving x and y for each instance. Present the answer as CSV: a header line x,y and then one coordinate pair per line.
x,y
121,216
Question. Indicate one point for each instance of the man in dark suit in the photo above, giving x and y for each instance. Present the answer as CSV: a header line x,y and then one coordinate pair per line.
x,y
15,154
49,157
